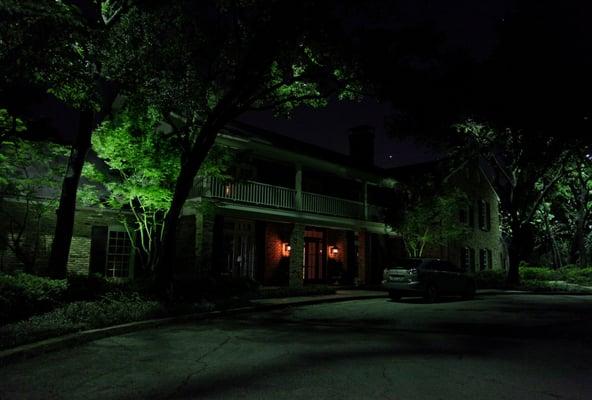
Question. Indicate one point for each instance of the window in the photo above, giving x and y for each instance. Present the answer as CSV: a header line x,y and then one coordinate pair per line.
x,y
484,215
468,258
466,215
118,255
485,259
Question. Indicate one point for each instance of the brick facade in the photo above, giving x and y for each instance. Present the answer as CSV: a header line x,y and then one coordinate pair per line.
x,y
38,235
473,182
295,270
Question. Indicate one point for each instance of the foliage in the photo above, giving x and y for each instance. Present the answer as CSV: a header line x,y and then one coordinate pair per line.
x,y
45,45
524,170
490,279
538,274
72,317
431,219
564,219
576,274
30,174
22,295
204,64
143,160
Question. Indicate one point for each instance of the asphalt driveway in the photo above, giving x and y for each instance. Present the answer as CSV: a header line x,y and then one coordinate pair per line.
x,y
493,347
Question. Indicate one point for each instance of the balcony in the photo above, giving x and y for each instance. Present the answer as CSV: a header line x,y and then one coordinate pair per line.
x,y
264,195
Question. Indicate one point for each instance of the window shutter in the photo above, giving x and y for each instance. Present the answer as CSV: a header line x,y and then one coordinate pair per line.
x,y
487,216
472,251
489,259
98,250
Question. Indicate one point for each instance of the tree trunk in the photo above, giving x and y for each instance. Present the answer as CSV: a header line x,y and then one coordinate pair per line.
x,y
577,250
189,169
513,277
519,249
60,248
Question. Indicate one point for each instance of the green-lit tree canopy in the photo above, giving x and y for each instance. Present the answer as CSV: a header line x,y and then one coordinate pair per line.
x,y
203,64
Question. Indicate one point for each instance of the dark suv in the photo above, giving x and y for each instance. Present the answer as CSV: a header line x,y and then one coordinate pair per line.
x,y
428,277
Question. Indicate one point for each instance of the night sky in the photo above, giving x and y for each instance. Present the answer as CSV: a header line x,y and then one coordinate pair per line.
x,y
466,25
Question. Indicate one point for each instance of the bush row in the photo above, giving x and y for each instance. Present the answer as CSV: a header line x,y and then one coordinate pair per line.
x,y
569,274
23,295
113,309
531,277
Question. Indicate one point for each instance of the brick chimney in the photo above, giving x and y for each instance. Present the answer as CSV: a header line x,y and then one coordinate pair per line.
x,y
361,144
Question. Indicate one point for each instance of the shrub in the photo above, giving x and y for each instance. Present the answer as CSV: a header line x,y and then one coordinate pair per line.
x,y
490,279
538,274
110,310
577,275
23,295
86,287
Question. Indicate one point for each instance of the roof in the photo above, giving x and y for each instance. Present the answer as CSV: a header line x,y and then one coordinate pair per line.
x,y
241,129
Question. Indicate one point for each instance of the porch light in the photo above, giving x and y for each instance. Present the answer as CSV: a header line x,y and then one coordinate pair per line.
x,y
334,251
286,249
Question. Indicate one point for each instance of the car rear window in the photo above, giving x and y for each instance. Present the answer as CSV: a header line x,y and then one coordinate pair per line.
x,y
406,264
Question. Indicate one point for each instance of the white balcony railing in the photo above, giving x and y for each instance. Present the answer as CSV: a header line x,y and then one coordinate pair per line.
x,y
265,195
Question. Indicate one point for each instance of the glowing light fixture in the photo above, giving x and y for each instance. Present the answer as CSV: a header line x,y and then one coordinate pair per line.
x,y
286,248
334,250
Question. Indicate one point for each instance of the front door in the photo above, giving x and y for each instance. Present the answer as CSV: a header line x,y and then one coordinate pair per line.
x,y
313,260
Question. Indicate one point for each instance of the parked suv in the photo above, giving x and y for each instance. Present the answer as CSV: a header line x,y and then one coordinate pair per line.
x,y
428,277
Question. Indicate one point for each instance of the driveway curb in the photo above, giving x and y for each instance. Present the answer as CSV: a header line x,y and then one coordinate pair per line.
x,y
33,349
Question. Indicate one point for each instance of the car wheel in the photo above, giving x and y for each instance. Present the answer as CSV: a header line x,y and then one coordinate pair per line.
x,y
431,293
469,291
394,295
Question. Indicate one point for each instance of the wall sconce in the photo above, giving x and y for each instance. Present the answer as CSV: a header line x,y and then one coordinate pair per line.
x,y
333,251
286,248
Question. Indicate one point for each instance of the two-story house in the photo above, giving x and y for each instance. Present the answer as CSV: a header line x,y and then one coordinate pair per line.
x,y
293,213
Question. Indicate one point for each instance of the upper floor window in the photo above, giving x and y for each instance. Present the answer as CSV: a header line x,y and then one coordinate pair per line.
x,y
467,215
484,215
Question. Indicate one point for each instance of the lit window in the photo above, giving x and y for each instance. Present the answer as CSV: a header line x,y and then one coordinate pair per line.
x,y
118,255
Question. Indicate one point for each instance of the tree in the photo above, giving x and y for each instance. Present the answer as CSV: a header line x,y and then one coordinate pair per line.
x,y
565,216
28,170
430,218
46,49
142,157
215,60
523,171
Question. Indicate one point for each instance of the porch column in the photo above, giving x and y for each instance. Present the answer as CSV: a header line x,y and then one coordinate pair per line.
x,y
295,278
204,241
298,187
362,256
365,201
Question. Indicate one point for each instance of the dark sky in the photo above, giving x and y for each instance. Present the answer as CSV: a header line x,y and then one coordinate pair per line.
x,y
465,24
